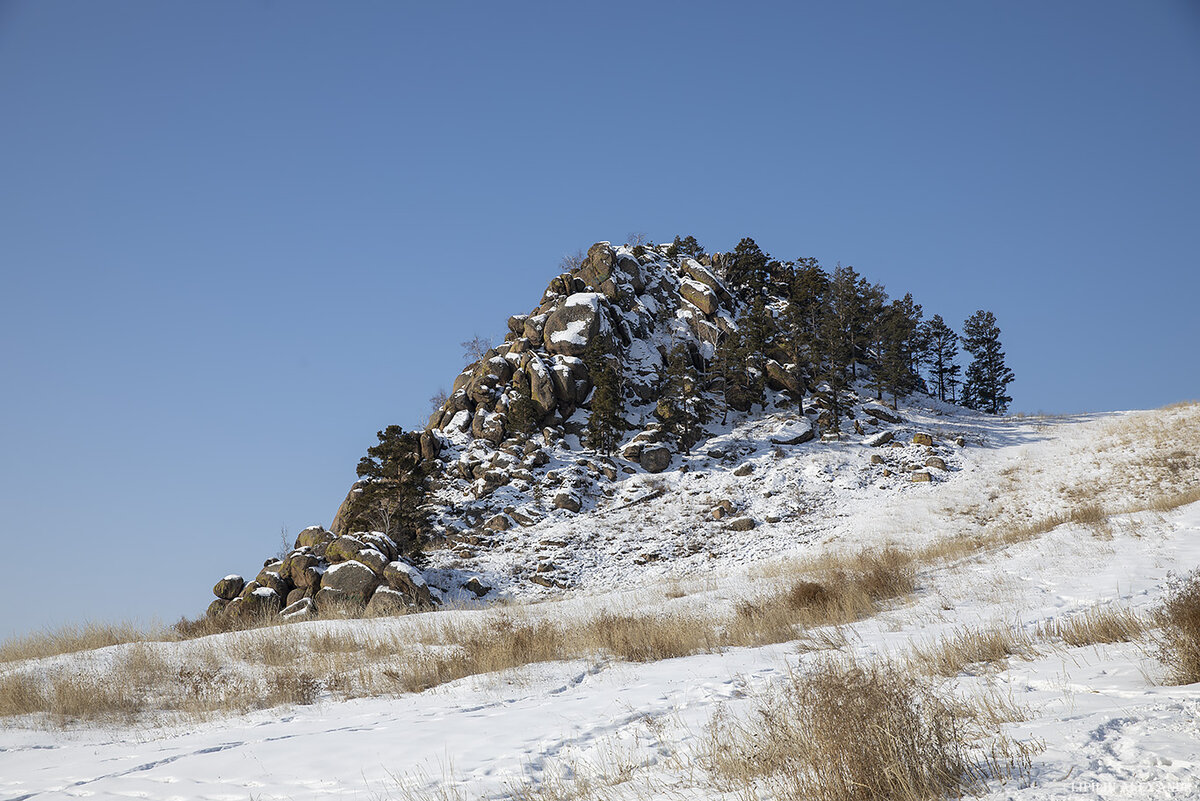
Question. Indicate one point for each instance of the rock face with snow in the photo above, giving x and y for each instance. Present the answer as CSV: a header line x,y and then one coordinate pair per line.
x,y
505,452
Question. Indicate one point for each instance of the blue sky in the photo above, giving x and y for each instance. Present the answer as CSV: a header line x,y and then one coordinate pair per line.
x,y
237,238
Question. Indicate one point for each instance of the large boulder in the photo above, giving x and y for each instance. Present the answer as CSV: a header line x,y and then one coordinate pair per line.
x,y
567,500
571,327
261,604
794,432
229,587
780,377
541,384
372,558
341,520
655,458
342,549
698,295
572,383
354,579
405,579
598,266
386,602
311,537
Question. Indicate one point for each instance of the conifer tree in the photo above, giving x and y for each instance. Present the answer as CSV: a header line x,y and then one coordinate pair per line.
x,y
687,246
801,340
391,497
940,347
987,375
900,322
605,421
748,267
835,368
682,406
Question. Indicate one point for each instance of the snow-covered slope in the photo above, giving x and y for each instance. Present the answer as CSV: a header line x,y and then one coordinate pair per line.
x,y
1101,723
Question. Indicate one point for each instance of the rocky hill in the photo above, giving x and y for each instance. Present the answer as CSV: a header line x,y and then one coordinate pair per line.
x,y
503,503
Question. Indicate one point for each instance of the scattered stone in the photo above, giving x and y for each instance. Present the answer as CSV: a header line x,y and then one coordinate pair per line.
x,y
744,470
741,524
960,441
921,476
499,522
545,581
880,413
876,459
772,518
936,462
568,501
880,439
923,439
476,586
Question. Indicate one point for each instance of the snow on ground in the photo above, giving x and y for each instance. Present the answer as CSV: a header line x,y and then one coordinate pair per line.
x,y
1109,730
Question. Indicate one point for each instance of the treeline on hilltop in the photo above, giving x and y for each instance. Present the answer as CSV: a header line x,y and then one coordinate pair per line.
x,y
816,332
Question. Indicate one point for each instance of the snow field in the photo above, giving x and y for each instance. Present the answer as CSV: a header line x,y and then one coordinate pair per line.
x,y
1097,722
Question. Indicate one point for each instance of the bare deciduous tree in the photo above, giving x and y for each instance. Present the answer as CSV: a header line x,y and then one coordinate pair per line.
x,y
572,261
475,348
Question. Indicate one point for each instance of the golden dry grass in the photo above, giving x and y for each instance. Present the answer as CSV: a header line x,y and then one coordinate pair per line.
x,y
852,731
966,648
1096,626
72,639
1178,639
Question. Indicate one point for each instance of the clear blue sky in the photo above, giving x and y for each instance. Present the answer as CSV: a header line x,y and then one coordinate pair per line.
x,y
237,238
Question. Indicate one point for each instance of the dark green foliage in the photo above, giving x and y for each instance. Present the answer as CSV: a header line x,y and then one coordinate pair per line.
x,y
899,324
987,375
939,348
741,357
683,407
688,246
391,498
800,337
748,267
605,421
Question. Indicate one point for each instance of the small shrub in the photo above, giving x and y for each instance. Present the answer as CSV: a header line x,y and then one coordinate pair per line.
x,y
849,732
1178,617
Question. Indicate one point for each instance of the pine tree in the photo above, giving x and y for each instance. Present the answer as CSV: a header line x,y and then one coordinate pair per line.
x,y
835,368
391,497
683,406
940,347
900,325
688,246
748,267
987,375
605,424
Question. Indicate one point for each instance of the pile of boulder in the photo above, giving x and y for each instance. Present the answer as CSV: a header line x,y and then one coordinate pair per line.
x,y
327,575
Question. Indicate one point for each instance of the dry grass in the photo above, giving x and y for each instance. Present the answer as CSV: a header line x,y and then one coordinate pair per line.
x,y
1096,626
847,589
848,731
1178,617
72,639
966,648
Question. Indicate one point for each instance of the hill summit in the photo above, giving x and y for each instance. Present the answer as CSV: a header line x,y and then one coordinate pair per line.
x,y
709,388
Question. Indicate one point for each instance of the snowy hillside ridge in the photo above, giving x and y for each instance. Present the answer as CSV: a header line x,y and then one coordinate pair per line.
x,y
708,367
1031,580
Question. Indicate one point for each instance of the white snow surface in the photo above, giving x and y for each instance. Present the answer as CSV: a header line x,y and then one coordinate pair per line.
x,y
1110,730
